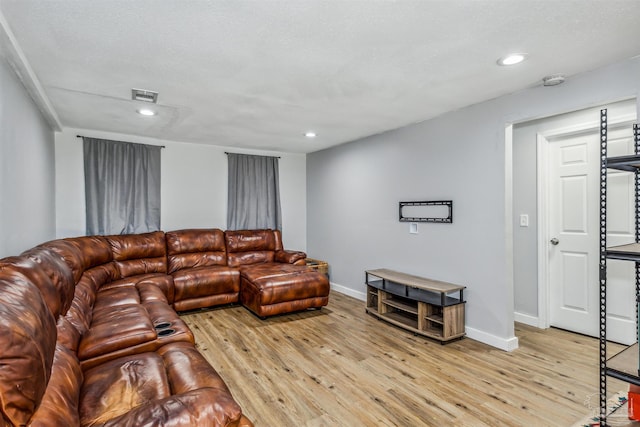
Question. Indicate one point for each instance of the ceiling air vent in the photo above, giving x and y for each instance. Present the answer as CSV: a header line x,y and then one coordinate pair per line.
x,y
144,95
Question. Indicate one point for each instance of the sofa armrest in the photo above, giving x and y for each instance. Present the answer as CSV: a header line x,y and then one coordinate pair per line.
x,y
290,257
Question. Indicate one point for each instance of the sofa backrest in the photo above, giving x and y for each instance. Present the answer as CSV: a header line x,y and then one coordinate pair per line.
x,y
195,248
28,342
28,269
139,253
58,271
82,253
246,247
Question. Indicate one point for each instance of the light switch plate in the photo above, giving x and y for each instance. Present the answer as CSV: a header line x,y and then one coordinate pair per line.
x,y
413,228
524,220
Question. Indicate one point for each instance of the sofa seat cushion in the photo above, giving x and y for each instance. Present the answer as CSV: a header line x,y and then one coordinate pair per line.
x,y
110,297
174,386
145,283
131,322
117,386
141,328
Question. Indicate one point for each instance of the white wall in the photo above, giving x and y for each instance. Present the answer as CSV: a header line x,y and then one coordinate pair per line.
x,y
27,175
353,193
194,186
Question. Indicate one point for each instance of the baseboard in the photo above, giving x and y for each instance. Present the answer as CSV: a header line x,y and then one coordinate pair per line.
x,y
348,291
527,319
506,344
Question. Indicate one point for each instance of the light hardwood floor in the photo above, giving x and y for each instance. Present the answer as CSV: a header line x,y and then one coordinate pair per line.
x,y
341,367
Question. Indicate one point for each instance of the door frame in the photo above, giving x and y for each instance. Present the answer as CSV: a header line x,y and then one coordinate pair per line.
x,y
543,193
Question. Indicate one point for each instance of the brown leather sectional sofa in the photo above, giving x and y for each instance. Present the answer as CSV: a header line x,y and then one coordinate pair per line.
x,y
89,334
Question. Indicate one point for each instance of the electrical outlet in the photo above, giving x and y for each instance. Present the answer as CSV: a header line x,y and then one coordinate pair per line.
x,y
524,220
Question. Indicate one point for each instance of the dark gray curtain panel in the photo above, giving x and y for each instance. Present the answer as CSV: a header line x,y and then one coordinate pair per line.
x,y
254,193
122,187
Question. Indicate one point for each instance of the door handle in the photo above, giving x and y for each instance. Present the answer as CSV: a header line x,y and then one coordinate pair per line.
x,y
554,241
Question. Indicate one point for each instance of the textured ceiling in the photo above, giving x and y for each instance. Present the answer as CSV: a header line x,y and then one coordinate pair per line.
x,y
258,74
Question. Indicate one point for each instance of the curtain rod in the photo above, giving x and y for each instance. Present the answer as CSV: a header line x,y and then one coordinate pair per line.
x,y
161,146
277,157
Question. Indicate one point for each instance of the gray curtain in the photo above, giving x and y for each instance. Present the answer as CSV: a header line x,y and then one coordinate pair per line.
x,y
254,193
122,187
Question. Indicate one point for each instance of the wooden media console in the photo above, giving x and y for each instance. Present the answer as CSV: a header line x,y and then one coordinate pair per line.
x,y
423,306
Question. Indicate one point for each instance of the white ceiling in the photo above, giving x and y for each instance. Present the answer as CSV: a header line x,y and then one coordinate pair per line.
x,y
258,74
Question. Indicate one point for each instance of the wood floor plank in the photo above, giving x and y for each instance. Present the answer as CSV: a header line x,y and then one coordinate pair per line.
x,y
340,366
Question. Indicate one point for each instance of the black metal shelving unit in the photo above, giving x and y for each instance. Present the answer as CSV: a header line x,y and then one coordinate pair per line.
x,y
624,365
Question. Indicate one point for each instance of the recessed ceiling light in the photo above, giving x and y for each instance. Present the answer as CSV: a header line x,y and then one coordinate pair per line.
x,y
146,112
512,59
310,134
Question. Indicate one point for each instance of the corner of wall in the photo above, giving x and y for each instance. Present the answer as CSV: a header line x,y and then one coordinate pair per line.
x,y
506,344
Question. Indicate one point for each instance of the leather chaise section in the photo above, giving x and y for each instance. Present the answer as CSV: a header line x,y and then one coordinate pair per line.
x,y
269,289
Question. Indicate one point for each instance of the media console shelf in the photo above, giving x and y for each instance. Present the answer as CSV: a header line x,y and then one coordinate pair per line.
x,y
423,306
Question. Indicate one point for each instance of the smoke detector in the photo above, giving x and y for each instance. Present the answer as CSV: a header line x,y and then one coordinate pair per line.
x,y
144,95
553,80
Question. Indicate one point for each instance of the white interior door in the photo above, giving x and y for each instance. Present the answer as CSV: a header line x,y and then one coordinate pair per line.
x,y
574,168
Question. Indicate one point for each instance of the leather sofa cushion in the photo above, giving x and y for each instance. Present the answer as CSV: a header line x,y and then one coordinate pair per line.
x,y
139,253
250,240
195,248
131,322
80,312
82,253
238,259
31,271
188,369
205,281
174,386
68,335
27,346
120,385
270,270
291,257
246,247
58,271
61,399
161,281
291,288
280,285
111,297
